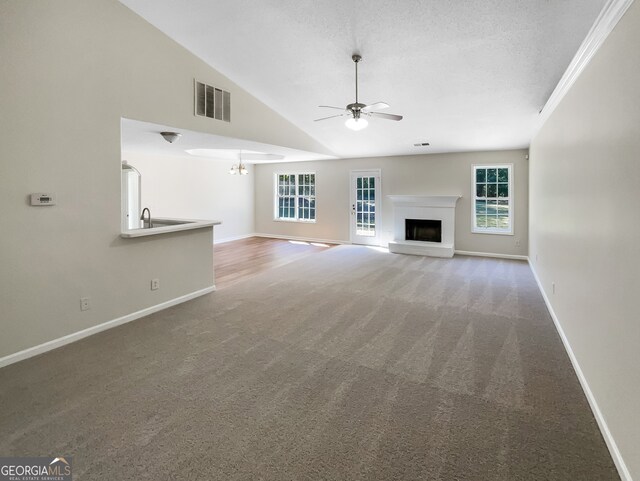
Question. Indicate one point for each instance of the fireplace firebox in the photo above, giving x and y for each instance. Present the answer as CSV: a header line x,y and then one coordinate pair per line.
x,y
423,230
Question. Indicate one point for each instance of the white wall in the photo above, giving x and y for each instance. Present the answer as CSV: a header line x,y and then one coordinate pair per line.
x,y
191,187
436,174
585,227
71,69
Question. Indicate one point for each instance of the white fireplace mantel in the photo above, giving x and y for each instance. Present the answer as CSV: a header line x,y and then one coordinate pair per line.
x,y
425,200
428,207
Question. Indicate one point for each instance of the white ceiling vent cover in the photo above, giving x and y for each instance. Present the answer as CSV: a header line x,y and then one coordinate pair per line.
x,y
212,102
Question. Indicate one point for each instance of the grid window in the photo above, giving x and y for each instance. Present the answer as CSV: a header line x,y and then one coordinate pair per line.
x,y
493,204
296,197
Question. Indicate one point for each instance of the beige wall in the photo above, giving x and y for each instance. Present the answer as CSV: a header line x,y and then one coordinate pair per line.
x,y
189,187
585,227
437,174
70,70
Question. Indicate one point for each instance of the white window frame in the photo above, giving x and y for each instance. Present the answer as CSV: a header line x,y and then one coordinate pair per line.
x,y
276,196
492,230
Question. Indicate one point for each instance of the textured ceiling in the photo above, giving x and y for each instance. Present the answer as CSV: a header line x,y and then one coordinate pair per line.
x,y
466,74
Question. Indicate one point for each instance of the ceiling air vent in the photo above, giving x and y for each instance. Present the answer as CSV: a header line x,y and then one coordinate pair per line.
x,y
212,102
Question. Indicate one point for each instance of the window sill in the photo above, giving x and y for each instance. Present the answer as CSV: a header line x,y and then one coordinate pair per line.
x,y
295,221
492,232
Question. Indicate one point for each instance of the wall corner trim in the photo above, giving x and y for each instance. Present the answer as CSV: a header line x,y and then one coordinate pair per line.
x,y
609,17
76,336
623,471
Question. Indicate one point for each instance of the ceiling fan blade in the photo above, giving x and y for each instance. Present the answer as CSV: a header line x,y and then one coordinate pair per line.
x,y
331,107
376,106
385,116
330,117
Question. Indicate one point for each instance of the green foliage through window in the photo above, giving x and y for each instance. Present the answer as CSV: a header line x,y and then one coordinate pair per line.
x,y
296,197
493,202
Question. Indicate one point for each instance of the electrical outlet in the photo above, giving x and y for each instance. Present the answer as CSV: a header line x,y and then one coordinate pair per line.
x,y
155,284
553,287
85,303
517,242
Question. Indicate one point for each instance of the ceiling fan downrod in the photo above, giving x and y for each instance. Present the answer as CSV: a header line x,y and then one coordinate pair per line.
x,y
356,107
356,59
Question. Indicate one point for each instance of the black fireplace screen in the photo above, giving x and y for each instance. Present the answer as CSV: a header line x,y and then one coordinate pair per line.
x,y
423,230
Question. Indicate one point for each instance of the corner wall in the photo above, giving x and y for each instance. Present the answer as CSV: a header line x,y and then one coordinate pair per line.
x,y
434,174
585,231
71,69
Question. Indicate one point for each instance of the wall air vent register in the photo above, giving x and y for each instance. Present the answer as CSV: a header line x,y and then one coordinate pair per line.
x,y
212,102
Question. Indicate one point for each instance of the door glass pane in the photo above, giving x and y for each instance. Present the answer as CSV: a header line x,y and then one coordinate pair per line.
x,y
492,190
503,175
481,175
492,175
503,190
365,206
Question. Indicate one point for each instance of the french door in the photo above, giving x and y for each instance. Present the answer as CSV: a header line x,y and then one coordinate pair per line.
x,y
365,207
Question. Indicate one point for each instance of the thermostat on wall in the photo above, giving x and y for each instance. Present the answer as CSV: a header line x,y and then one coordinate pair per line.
x,y
43,199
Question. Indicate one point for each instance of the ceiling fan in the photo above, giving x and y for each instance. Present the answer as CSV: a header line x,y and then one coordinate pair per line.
x,y
357,111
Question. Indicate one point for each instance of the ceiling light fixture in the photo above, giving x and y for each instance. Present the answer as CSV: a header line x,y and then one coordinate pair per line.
x,y
356,123
240,168
170,137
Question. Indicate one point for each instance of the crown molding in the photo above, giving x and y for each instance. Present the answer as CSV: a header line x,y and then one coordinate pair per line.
x,y
603,26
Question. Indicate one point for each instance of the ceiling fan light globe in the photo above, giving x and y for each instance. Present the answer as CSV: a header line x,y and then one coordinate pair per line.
x,y
356,124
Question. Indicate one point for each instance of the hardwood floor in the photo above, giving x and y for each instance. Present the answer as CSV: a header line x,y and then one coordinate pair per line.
x,y
237,260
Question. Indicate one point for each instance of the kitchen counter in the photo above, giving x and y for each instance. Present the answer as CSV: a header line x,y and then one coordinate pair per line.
x,y
166,225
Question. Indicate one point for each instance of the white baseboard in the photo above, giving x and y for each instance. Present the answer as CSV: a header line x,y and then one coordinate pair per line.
x,y
623,471
302,239
491,254
76,336
234,238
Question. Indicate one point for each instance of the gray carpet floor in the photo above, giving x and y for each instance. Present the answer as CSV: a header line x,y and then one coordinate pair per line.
x,y
350,364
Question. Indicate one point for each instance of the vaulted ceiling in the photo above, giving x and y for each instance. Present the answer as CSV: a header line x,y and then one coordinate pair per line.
x,y
466,75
